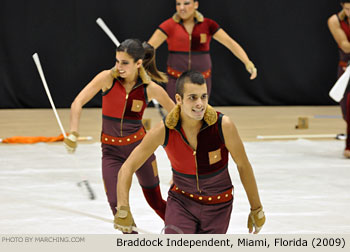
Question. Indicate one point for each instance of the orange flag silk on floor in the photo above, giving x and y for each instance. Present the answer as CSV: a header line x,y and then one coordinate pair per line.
x,y
32,139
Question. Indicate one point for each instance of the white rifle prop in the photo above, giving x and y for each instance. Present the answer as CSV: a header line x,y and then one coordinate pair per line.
x,y
337,91
42,76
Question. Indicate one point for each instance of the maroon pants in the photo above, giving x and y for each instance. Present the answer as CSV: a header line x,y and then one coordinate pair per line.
x,y
345,108
113,158
190,217
348,121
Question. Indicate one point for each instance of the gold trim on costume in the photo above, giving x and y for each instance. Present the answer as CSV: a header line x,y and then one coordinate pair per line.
x,y
173,117
114,72
144,76
342,15
197,15
210,116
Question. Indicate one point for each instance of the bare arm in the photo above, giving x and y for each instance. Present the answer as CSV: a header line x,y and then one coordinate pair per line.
x,y
222,37
102,81
157,38
235,146
155,91
138,156
338,34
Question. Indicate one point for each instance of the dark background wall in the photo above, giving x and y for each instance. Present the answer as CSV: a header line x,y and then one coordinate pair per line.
x,y
288,41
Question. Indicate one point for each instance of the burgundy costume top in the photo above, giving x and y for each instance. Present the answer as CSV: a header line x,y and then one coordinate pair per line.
x,y
122,112
189,51
204,170
344,58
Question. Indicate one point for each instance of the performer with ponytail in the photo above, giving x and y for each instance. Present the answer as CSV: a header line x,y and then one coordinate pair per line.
x,y
126,90
339,26
188,34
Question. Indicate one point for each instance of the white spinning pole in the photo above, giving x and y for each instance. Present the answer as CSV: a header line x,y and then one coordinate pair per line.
x,y
337,91
298,136
105,28
41,73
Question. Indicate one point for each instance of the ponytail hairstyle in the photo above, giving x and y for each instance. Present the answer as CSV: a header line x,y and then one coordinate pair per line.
x,y
149,62
137,50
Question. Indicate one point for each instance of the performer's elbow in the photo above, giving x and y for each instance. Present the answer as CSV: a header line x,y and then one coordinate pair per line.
x,y
345,46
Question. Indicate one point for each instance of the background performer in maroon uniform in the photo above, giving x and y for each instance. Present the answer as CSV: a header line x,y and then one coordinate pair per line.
x,y
126,90
339,26
188,34
197,140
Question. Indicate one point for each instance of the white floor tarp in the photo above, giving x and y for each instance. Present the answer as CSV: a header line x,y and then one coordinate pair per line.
x,y
304,187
